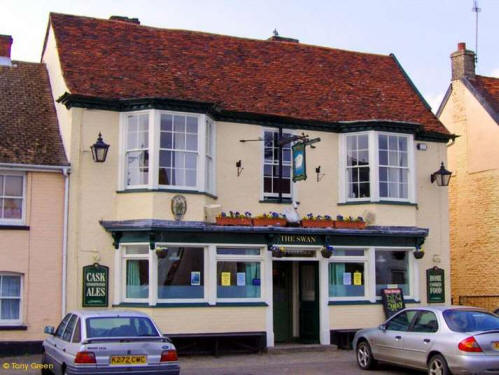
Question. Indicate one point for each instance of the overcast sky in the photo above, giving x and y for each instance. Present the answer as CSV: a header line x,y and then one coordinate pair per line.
x,y
421,33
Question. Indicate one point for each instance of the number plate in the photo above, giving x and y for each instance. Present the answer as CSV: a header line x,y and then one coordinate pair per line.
x,y
128,360
495,345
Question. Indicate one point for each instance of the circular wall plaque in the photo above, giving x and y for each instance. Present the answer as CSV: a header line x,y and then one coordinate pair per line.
x,y
179,206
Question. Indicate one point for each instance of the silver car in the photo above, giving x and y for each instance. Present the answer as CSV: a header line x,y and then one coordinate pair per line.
x,y
108,342
442,340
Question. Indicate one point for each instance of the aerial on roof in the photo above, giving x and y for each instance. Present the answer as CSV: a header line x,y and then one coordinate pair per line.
x,y
120,60
28,122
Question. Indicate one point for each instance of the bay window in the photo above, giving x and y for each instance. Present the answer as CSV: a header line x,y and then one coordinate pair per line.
x,y
392,270
11,198
376,166
136,272
347,274
168,150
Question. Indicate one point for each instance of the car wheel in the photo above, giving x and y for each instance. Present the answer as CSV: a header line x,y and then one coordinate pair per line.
x,y
365,358
438,366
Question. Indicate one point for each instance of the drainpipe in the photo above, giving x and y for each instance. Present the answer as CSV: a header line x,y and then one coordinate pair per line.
x,y
65,172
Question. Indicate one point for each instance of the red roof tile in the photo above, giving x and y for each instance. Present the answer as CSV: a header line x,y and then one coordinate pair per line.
x,y
488,87
28,122
117,60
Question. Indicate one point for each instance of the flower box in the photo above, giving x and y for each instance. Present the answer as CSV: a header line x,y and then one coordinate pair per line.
x,y
307,223
269,222
227,220
349,224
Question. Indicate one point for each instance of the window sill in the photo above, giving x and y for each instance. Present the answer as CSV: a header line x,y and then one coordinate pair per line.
x,y
13,227
365,302
192,304
395,203
13,328
276,200
142,190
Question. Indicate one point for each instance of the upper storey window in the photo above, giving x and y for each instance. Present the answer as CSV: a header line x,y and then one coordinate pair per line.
x,y
276,172
11,198
376,167
169,150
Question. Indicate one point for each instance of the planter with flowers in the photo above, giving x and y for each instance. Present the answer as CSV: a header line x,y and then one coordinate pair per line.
x,y
234,218
327,251
162,252
272,219
311,221
277,251
349,222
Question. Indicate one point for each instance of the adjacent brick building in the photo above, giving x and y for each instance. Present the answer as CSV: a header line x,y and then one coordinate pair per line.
x,y
470,109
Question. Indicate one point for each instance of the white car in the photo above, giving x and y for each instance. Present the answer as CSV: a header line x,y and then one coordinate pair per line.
x,y
442,340
108,342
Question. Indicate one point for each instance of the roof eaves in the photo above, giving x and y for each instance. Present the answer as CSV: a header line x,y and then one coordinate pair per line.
x,y
444,101
485,104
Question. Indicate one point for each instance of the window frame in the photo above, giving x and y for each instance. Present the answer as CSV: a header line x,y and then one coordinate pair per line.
x,y
124,258
373,146
273,196
14,322
241,259
154,152
22,220
364,259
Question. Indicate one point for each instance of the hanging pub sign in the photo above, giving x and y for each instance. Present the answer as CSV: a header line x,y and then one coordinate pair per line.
x,y
299,162
393,301
435,285
95,285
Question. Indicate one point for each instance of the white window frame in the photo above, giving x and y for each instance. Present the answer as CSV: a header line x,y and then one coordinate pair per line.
x,y
14,322
270,196
374,168
241,259
364,259
22,220
124,257
154,149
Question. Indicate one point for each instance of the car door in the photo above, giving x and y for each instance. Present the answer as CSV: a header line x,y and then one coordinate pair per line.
x,y
420,338
389,342
51,352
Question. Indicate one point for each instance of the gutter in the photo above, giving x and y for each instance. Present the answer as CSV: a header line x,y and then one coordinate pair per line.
x,y
65,172
35,167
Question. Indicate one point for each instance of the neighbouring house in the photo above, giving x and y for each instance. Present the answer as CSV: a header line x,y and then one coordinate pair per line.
x,y
33,176
470,109
198,124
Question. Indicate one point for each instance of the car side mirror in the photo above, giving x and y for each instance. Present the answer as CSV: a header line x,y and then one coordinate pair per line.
x,y
49,330
382,327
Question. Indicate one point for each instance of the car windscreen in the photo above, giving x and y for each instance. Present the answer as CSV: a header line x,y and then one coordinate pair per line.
x,y
470,320
120,327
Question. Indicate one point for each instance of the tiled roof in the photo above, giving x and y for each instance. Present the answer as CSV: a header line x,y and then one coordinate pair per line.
x,y
488,87
28,122
113,59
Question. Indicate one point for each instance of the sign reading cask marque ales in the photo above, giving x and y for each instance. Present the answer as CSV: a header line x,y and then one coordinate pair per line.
x,y
95,285
393,301
435,285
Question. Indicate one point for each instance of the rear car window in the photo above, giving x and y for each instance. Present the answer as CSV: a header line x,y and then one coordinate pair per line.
x,y
470,321
120,327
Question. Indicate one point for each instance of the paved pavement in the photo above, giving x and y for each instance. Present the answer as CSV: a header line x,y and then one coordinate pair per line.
x,y
340,362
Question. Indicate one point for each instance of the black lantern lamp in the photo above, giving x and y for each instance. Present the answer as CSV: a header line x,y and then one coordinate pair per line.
x,y
99,150
442,176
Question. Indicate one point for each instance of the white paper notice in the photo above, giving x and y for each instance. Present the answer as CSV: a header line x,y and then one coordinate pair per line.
x,y
241,279
347,278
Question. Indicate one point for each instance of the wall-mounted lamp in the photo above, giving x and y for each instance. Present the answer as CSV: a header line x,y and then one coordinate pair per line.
x,y
442,176
319,174
239,167
99,150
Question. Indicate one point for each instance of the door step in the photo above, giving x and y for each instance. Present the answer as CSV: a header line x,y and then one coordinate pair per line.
x,y
300,348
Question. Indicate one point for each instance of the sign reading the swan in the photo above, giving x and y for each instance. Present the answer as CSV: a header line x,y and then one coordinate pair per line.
x,y
299,162
95,285
294,239
435,285
393,301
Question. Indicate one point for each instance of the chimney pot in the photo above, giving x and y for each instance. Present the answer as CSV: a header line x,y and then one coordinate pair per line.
x,y
463,63
125,19
5,44
461,46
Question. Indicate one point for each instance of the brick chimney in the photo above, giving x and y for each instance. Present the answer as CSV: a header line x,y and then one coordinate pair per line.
x,y
5,44
125,19
463,62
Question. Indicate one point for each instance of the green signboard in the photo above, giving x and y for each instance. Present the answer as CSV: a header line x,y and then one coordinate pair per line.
x,y
95,285
435,285
299,162
393,301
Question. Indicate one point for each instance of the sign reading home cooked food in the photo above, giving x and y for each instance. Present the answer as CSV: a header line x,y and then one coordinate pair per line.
x,y
393,301
95,285
435,285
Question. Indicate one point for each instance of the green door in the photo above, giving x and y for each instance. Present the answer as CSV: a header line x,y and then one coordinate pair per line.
x,y
309,302
282,277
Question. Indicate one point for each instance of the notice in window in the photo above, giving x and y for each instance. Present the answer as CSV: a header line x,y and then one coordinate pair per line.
x,y
241,279
357,278
225,278
195,278
347,278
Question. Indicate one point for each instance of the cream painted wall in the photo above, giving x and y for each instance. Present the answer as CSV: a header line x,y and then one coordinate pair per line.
x,y
37,255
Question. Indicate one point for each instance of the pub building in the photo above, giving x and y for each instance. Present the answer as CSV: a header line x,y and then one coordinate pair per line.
x,y
172,133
